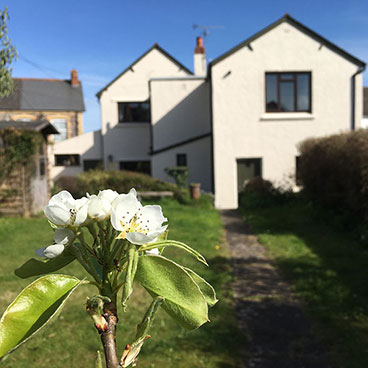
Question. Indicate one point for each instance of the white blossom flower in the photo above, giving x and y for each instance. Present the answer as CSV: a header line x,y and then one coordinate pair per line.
x,y
62,238
140,225
108,194
64,210
99,206
51,251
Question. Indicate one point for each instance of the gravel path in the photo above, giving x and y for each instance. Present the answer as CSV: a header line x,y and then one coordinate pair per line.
x,y
278,333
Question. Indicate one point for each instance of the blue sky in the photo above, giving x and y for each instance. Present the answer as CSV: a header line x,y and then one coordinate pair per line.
x,y
101,38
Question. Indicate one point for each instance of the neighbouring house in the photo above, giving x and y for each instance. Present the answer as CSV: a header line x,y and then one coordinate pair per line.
x,y
54,107
241,116
25,190
57,100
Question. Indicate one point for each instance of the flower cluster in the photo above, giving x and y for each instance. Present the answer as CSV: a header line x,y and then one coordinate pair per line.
x,y
136,223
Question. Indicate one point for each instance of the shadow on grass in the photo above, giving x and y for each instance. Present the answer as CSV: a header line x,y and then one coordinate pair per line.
x,y
328,269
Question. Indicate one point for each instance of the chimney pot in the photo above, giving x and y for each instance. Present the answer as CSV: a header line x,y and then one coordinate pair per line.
x,y
199,49
74,78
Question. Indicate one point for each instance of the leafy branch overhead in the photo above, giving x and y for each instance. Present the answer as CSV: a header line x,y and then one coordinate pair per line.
x,y
117,241
8,54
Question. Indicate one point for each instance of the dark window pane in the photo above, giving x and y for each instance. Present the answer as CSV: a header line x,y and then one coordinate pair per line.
x,y
42,166
138,166
181,159
134,112
303,92
287,76
287,98
66,160
271,93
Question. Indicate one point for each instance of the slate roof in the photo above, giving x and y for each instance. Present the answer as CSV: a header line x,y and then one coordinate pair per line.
x,y
43,126
44,95
365,101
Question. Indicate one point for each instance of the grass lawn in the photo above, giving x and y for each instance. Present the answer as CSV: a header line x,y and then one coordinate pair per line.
x,y
329,271
72,341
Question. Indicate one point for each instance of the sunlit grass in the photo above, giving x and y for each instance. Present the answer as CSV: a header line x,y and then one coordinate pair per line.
x,y
72,341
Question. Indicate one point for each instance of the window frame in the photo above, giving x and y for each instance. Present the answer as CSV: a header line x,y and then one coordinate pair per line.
x,y
134,121
181,156
138,163
76,159
295,82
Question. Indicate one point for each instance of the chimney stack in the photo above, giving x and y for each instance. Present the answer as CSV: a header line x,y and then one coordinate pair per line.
x,y
200,67
74,78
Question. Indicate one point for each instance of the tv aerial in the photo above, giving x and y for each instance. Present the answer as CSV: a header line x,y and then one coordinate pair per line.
x,y
206,29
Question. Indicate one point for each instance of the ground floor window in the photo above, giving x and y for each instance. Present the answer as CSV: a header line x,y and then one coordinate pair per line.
x,y
181,159
67,160
297,171
92,164
138,166
248,168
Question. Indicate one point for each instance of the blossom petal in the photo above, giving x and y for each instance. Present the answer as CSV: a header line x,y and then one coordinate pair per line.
x,y
64,236
53,251
98,208
81,215
108,195
57,215
140,238
153,251
40,251
125,207
152,216
63,197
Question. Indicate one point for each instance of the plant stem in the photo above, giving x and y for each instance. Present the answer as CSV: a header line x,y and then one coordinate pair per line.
x,y
108,338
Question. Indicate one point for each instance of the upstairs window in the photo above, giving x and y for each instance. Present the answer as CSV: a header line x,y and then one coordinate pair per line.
x,y
61,126
288,92
134,112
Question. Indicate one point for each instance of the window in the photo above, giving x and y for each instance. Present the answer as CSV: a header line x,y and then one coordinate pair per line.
x,y
248,168
134,112
139,166
181,159
61,126
92,164
42,166
288,92
67,160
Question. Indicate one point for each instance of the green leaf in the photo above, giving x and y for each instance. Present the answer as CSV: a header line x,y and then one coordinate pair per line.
x,y
207,290
145,325
184,301
129,274
33,309
173,243
36,267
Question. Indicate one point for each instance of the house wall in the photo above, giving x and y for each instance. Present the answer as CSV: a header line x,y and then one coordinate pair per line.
x,y
131,141
180,110
242,128
198,159
87,145
74,119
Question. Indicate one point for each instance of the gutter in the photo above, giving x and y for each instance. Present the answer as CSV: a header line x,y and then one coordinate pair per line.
x,y
360,70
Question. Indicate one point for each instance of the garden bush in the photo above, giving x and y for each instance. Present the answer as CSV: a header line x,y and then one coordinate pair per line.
x,y
122,181
334,171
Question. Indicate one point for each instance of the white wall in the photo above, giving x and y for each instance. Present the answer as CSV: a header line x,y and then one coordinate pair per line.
x,y
87,145
198,160
132,141
242,129
179,110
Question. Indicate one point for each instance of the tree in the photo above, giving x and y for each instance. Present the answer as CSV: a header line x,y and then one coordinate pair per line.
x,y
8,53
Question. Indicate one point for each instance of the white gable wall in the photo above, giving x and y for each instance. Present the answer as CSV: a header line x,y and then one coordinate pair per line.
x,y
126,141
242,128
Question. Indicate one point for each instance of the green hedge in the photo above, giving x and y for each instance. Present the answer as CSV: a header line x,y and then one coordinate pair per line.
x,y
122,181
334,171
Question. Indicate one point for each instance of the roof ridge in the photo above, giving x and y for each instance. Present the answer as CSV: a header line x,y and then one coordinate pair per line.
x,y
43,79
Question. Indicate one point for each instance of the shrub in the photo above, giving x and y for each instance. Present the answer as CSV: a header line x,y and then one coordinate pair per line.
x,y
179,174
334,171
122,181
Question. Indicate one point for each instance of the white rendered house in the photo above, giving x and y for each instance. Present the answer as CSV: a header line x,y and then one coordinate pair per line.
x,y
242,116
